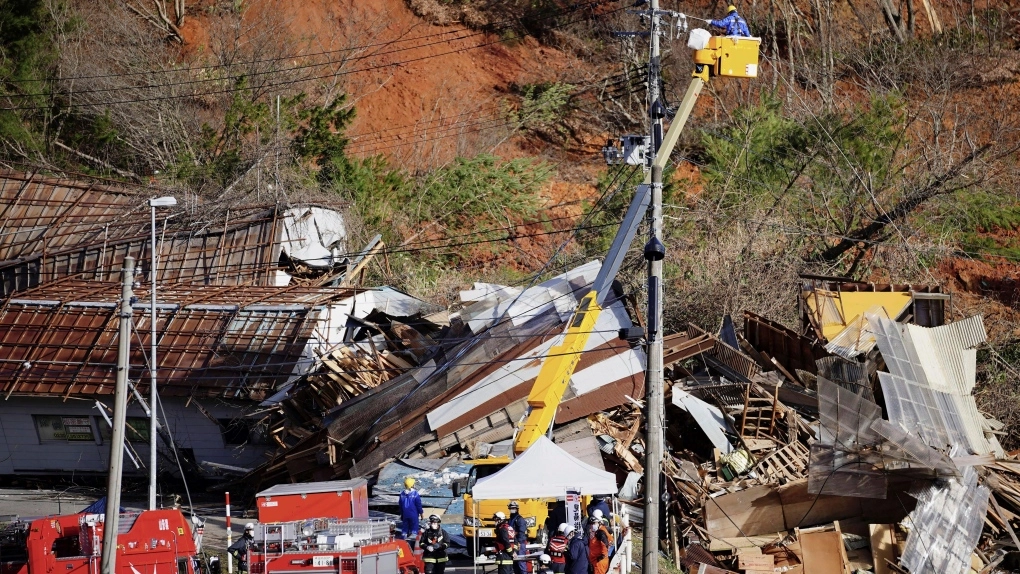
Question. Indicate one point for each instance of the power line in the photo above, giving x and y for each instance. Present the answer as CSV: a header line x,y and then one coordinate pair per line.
x,y
270,84
492,28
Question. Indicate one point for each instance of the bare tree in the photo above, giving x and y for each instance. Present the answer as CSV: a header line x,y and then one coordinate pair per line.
x,y
155,13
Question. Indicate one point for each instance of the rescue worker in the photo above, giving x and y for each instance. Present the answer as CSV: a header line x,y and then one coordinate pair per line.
x,y
599,503
411,512
557,549
577,552
434,543
732,24
599,541
239,549
520,526
598,515
506,544
545,564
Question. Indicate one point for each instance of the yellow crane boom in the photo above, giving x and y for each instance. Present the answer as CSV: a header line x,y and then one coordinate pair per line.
x,y
723,56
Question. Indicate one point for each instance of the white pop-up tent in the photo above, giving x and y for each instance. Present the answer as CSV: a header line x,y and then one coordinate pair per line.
x,y
544,471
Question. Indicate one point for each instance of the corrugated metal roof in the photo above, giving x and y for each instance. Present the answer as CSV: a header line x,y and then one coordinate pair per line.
x,y
51,229
314,487
792,350
239,342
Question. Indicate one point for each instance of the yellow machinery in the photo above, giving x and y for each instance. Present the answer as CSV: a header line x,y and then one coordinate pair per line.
x,y
713,56
733,56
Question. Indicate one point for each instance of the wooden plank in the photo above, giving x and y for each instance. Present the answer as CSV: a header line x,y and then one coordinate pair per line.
x,y
883,546
802,508
756,562
749,512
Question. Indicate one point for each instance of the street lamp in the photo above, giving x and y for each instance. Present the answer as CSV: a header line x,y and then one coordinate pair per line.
x,y
153,204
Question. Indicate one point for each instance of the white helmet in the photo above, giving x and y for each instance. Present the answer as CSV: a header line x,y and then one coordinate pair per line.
x,y
249,526
569,531
562,528
545,559
499,515
597,514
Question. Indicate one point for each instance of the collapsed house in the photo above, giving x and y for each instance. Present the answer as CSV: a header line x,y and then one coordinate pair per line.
x,y
246,303
853,445
452,390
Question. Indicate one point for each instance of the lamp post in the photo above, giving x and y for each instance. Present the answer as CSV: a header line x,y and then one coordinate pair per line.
x,y
153,204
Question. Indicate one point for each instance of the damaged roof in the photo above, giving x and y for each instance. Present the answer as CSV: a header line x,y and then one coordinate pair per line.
x,y
214,341
58,228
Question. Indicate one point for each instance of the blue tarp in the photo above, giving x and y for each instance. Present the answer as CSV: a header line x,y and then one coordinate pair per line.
x,y
97,507
432,478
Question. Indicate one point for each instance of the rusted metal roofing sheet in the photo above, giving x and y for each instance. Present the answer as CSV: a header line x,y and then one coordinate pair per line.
x,y
42,215
240,342
789,348
51,229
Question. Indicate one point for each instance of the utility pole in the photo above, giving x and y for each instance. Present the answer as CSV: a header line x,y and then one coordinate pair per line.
x,y
108,562
654,253
168,201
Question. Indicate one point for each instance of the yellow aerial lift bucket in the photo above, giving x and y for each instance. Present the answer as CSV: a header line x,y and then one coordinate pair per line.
x,y
733,56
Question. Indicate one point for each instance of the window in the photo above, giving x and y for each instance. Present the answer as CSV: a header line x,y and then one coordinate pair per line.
x,y
137,429
61,428
243,431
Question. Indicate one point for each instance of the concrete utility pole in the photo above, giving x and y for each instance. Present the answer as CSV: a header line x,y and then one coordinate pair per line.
x,y
654,253
108,562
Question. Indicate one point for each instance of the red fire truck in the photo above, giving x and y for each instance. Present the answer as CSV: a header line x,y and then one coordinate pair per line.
x,y
149,542
343,541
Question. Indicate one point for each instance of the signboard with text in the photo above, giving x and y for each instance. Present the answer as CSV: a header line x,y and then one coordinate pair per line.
x,y
574,509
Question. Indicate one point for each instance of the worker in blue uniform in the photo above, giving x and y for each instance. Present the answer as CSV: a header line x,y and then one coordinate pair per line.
x,y
520,526
732,24
577,552
411,512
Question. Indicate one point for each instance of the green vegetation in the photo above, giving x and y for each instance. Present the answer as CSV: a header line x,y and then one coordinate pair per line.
x,y
29,54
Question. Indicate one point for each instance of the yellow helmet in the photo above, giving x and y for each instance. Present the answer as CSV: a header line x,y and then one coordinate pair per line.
x,y
409,482
731,8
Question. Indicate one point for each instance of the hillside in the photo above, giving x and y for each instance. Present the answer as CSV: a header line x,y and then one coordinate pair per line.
x,y
879,142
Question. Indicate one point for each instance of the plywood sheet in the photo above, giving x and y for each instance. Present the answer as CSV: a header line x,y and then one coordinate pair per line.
x,y
802,509
823,552
750,512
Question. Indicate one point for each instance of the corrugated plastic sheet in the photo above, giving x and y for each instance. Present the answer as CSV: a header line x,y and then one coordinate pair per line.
x,y
945,527
850,375
857,337
841,462
928,386
911,452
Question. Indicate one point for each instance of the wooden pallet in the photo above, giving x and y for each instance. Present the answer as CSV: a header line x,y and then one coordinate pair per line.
x,y
789,463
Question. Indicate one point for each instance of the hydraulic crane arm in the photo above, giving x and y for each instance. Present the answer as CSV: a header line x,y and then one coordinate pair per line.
x,y
563,357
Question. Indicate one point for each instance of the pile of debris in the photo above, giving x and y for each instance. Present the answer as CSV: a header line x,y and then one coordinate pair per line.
x,y
407,385
854,446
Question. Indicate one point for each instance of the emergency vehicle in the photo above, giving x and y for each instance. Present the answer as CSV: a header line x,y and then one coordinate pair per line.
x,y
341,540
150,541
